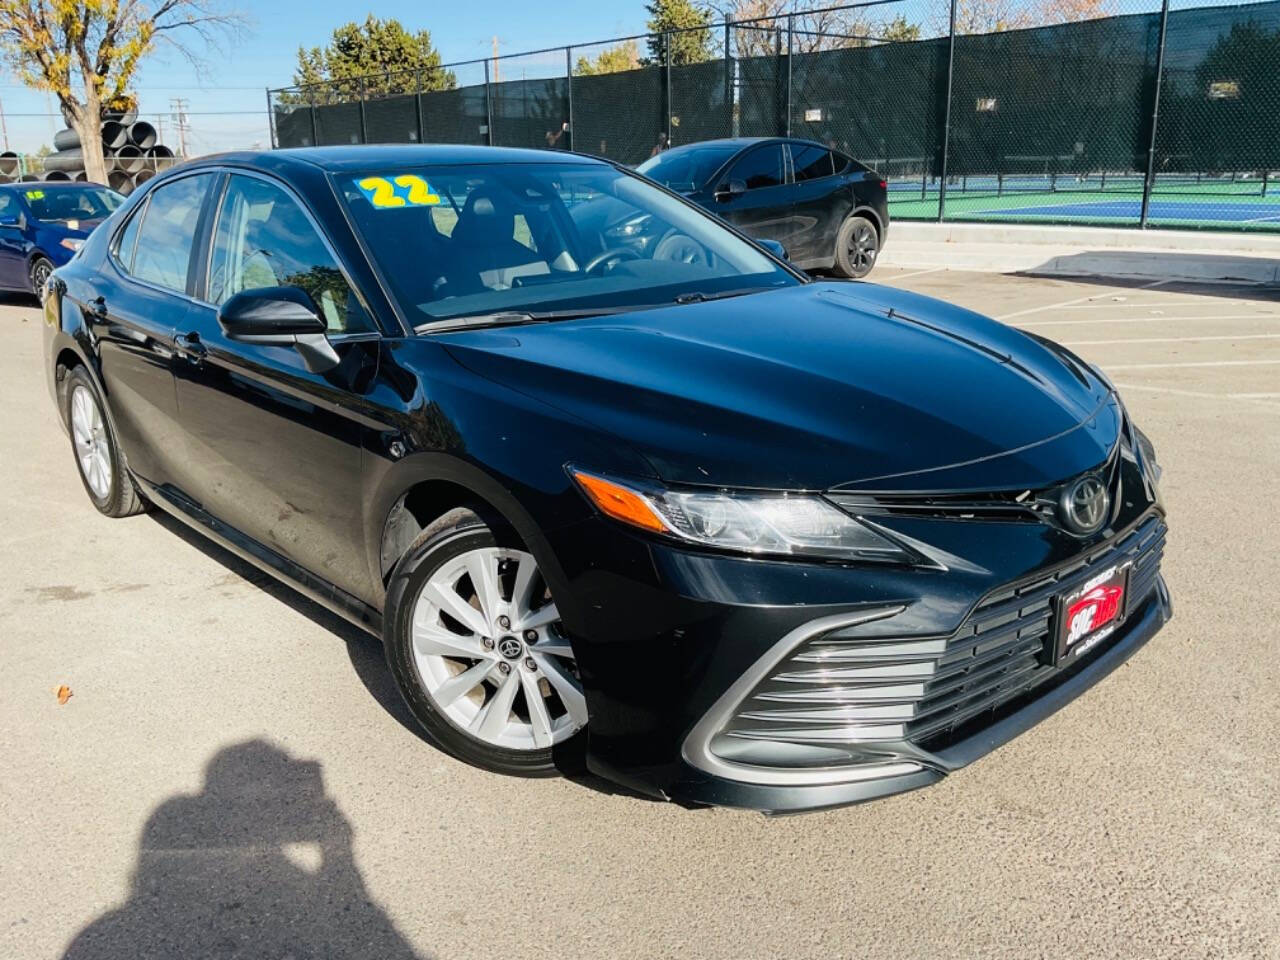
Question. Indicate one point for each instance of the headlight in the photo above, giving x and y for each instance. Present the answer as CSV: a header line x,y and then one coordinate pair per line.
x,y
632,227
71,243
779,524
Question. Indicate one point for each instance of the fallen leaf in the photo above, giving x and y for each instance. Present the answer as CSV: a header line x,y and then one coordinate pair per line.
x,y
63,693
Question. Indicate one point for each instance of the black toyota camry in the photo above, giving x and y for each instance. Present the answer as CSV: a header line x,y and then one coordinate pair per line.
x,y
829,211
612,483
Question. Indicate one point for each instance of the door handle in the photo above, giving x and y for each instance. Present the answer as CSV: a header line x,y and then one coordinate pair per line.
x,y
189,345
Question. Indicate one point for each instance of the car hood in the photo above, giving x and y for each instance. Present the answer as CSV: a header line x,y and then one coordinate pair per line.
x,y
814,387
63,228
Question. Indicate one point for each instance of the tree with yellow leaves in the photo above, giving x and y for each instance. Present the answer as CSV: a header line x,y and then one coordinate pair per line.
x,y
86,52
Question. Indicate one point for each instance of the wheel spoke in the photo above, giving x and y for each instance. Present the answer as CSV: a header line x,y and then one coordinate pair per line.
x,y
482,569
450,601
564,685
449,691
539,718
522,589
436,641
553,646
542,617
496,714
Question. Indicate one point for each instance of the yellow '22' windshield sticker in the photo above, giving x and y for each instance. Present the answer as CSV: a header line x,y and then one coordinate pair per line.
x,y
35,194
406,190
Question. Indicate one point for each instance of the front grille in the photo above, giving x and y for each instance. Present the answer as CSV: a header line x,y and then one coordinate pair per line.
x,y
838,694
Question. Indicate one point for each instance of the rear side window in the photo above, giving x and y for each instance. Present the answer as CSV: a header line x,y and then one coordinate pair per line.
x,y
128,239
168,232
760,168
265,240
811,163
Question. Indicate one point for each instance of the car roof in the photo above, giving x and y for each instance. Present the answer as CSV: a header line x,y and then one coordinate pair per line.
x,y
25,185
359,157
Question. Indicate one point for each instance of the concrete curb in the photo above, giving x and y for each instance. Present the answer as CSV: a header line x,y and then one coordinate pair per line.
x,y
1086,251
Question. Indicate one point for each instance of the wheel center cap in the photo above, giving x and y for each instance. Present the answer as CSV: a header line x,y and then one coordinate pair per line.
x,y
511,648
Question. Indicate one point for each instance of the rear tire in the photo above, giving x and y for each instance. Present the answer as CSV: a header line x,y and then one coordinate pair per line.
x,y
857,247
473,640
99,461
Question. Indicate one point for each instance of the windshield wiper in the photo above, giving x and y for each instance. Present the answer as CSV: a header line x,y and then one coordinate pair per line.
x,y
697,296
516,318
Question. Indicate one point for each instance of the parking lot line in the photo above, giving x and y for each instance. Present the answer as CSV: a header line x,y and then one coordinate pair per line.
x,y
1067,303
1225,336
1254,399
1192,363
1165,318
913,273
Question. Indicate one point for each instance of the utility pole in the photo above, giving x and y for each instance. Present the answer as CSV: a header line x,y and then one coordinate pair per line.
x,y
179,107
4,129
497,72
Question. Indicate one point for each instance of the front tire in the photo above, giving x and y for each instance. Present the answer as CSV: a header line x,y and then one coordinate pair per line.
x,y
98,457
857,246
474,642
41,270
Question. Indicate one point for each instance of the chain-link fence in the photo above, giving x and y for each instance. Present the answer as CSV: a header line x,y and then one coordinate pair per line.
x,y
1121,112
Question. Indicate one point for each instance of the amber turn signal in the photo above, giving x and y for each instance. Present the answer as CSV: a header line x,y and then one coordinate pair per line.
x,y
617,501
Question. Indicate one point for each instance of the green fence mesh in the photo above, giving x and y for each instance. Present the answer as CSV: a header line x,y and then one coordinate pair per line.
x,y
1033,112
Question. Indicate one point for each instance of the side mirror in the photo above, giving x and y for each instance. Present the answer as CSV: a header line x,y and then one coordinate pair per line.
x,y
727,191
279,316
775,248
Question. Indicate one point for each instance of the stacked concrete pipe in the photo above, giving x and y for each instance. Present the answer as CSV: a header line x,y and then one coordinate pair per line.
x,y
131,147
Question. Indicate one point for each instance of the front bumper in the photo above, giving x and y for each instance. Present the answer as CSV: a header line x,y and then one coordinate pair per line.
x,y
670,643
909,772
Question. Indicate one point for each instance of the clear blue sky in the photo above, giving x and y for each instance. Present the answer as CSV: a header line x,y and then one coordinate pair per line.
x,y
227,105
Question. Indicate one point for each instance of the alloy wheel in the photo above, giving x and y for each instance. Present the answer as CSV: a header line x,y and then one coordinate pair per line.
x,y
39,276
93,452
863,247
488,647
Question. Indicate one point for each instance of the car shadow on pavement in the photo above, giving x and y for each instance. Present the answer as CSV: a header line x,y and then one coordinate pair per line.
x,y
363,650
258,864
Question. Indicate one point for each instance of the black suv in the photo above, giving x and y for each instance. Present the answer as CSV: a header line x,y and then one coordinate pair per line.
x,y
829,212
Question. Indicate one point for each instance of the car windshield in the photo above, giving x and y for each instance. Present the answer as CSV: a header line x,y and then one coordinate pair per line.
x,y
60,204
543,238
687,168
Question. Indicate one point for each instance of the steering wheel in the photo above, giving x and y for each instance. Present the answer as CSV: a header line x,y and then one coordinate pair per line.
x,y
606,256
681,248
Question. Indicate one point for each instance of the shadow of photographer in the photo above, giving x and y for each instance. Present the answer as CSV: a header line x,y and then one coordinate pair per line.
x,y
258,864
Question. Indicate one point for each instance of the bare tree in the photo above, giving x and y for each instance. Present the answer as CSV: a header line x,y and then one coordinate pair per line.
x,y
86,52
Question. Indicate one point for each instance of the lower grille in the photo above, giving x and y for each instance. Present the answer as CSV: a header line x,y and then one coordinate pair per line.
x,y
838,694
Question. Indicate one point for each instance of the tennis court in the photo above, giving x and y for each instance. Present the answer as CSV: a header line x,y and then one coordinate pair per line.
x,y
1236,202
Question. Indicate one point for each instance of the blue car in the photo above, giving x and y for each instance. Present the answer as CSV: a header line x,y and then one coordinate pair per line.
x,y
42,225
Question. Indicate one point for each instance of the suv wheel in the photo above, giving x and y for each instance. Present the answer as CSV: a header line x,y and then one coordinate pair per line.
x,y
474,640
857,246
98,456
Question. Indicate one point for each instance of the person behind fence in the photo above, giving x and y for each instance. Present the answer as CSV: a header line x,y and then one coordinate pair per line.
x,y
554,136
661,145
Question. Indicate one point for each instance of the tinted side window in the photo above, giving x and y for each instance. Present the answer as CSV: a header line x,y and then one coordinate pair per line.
x,y
168,232
760,168
265,240
810,163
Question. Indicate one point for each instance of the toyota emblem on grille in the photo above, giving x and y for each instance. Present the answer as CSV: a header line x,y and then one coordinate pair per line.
x,y
1084,505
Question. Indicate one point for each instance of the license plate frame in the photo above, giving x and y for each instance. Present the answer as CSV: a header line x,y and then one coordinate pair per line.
x,y
1064,647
